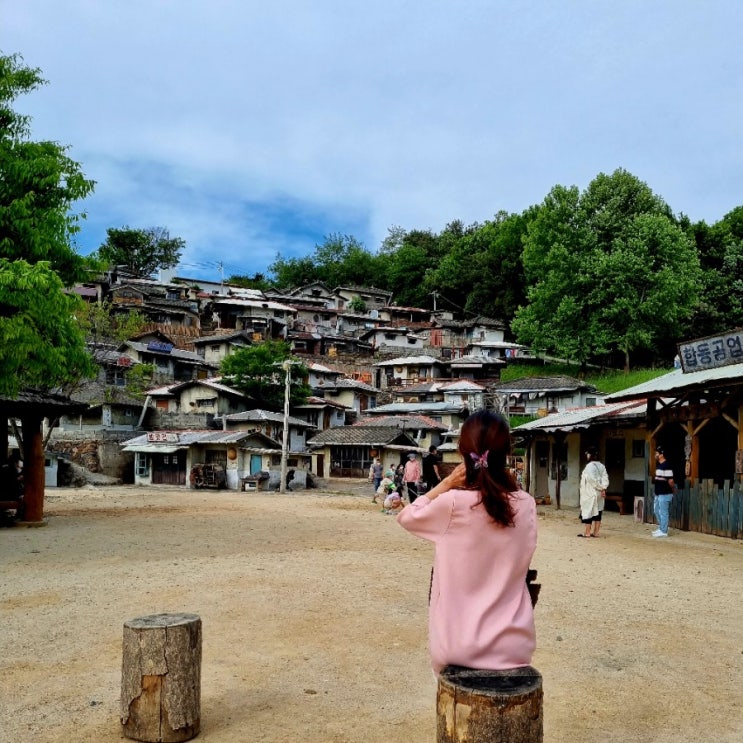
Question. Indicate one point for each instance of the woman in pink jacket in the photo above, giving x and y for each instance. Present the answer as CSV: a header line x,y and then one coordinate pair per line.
x,y
484,530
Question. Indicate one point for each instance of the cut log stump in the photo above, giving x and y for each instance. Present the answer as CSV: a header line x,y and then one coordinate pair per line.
x,y
489,706
161,678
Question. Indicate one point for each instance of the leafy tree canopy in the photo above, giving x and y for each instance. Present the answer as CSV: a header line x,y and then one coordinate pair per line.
x,y
256,281
39,183
141,251
608,270
257,372
42,344
340,261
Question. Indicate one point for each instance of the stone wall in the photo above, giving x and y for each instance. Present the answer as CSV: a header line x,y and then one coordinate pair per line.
x,y
100,453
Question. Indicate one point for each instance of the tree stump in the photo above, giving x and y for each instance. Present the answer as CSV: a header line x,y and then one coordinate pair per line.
x,y
489,706
161,678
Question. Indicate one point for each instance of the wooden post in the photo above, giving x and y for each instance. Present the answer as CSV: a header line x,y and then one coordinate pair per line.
x,y
33,471
161,678
489,706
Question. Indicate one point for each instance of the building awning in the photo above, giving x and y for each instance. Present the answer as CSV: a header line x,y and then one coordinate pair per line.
x,y
154,448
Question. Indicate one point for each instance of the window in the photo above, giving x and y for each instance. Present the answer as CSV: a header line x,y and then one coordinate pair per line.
x,y
590,402
638,448
115,376
142,464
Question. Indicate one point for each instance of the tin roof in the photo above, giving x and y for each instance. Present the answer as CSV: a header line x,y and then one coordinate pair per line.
x,y
576,418
676,382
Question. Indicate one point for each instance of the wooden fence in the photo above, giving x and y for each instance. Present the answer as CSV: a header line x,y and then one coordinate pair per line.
x,y
704,507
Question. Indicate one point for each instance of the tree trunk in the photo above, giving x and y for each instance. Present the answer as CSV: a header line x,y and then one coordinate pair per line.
x,y
489,706
161,678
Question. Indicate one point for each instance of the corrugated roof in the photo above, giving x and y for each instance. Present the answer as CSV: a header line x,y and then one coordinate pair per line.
x,y
676,382
370,435
187,438
266,415
410,361
576,418
426,408
534,384
403,421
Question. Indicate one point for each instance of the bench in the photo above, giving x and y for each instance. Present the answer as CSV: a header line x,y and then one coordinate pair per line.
x,y
624,506
255,482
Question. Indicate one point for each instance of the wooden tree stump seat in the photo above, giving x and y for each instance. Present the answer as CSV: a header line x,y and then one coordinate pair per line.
x,y
161,678
475,706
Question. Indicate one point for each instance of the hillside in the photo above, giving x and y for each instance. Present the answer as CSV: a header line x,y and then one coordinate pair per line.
x,y
606,381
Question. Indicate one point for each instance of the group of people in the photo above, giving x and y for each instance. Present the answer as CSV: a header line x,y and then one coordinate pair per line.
x,y
411,477
594,481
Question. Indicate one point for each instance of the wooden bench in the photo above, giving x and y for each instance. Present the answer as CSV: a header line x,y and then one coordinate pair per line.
x,y
624,505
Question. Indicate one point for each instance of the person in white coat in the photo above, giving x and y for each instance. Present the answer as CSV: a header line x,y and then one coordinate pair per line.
x,y
593,483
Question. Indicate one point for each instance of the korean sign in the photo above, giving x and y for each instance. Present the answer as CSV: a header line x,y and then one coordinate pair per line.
x,y
711,352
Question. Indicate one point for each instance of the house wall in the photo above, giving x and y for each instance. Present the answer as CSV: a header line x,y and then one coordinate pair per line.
x,y
181,420
634,467
383,341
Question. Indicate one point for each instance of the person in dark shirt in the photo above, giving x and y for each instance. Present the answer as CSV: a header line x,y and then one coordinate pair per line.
x,y
664,488
431,474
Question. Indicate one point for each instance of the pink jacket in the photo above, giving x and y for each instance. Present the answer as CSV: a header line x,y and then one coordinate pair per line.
x,y
480,614
412,470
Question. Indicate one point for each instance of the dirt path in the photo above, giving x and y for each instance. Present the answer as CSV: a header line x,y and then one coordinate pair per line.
x,y
314,621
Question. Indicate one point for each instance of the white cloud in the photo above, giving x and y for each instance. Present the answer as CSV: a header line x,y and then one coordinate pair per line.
x,y
264,126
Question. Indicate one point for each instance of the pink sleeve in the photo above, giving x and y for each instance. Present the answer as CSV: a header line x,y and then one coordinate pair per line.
x,y
426,518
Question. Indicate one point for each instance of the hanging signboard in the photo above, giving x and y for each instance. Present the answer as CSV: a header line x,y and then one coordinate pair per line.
x,y
711,352
163,436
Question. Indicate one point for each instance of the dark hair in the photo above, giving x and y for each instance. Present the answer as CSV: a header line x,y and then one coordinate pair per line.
x,y
488,432
593,451
432,449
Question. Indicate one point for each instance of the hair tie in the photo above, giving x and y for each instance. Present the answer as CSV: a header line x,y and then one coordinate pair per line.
x,y
480,460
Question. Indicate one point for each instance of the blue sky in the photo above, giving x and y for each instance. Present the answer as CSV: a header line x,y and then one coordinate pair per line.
x,y
252,128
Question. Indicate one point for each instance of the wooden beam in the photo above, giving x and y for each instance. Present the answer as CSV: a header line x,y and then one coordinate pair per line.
x,y
731,420
701,426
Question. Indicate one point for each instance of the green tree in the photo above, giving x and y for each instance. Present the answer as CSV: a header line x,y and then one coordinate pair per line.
x,y
608,270
42,344
141,251
256,281
720,249
102,327
340,261
257,372
39,183
483,270
406,258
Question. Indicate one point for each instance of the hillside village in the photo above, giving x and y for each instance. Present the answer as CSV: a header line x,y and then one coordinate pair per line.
x,y
385,382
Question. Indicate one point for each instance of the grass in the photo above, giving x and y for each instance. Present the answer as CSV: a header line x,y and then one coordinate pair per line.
x,y
604,380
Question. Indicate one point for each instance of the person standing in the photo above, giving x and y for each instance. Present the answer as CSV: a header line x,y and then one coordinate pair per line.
x,y
593,483
375,476
663,486
484,532
431,474
412,476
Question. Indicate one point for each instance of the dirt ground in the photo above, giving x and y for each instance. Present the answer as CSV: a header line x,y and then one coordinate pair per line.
x,y
314,620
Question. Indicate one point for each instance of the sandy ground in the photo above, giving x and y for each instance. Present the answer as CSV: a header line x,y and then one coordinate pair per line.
x,y
314,620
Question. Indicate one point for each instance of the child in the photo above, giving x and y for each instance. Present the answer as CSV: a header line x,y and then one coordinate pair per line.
x,y
392,503
386,484
393,500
